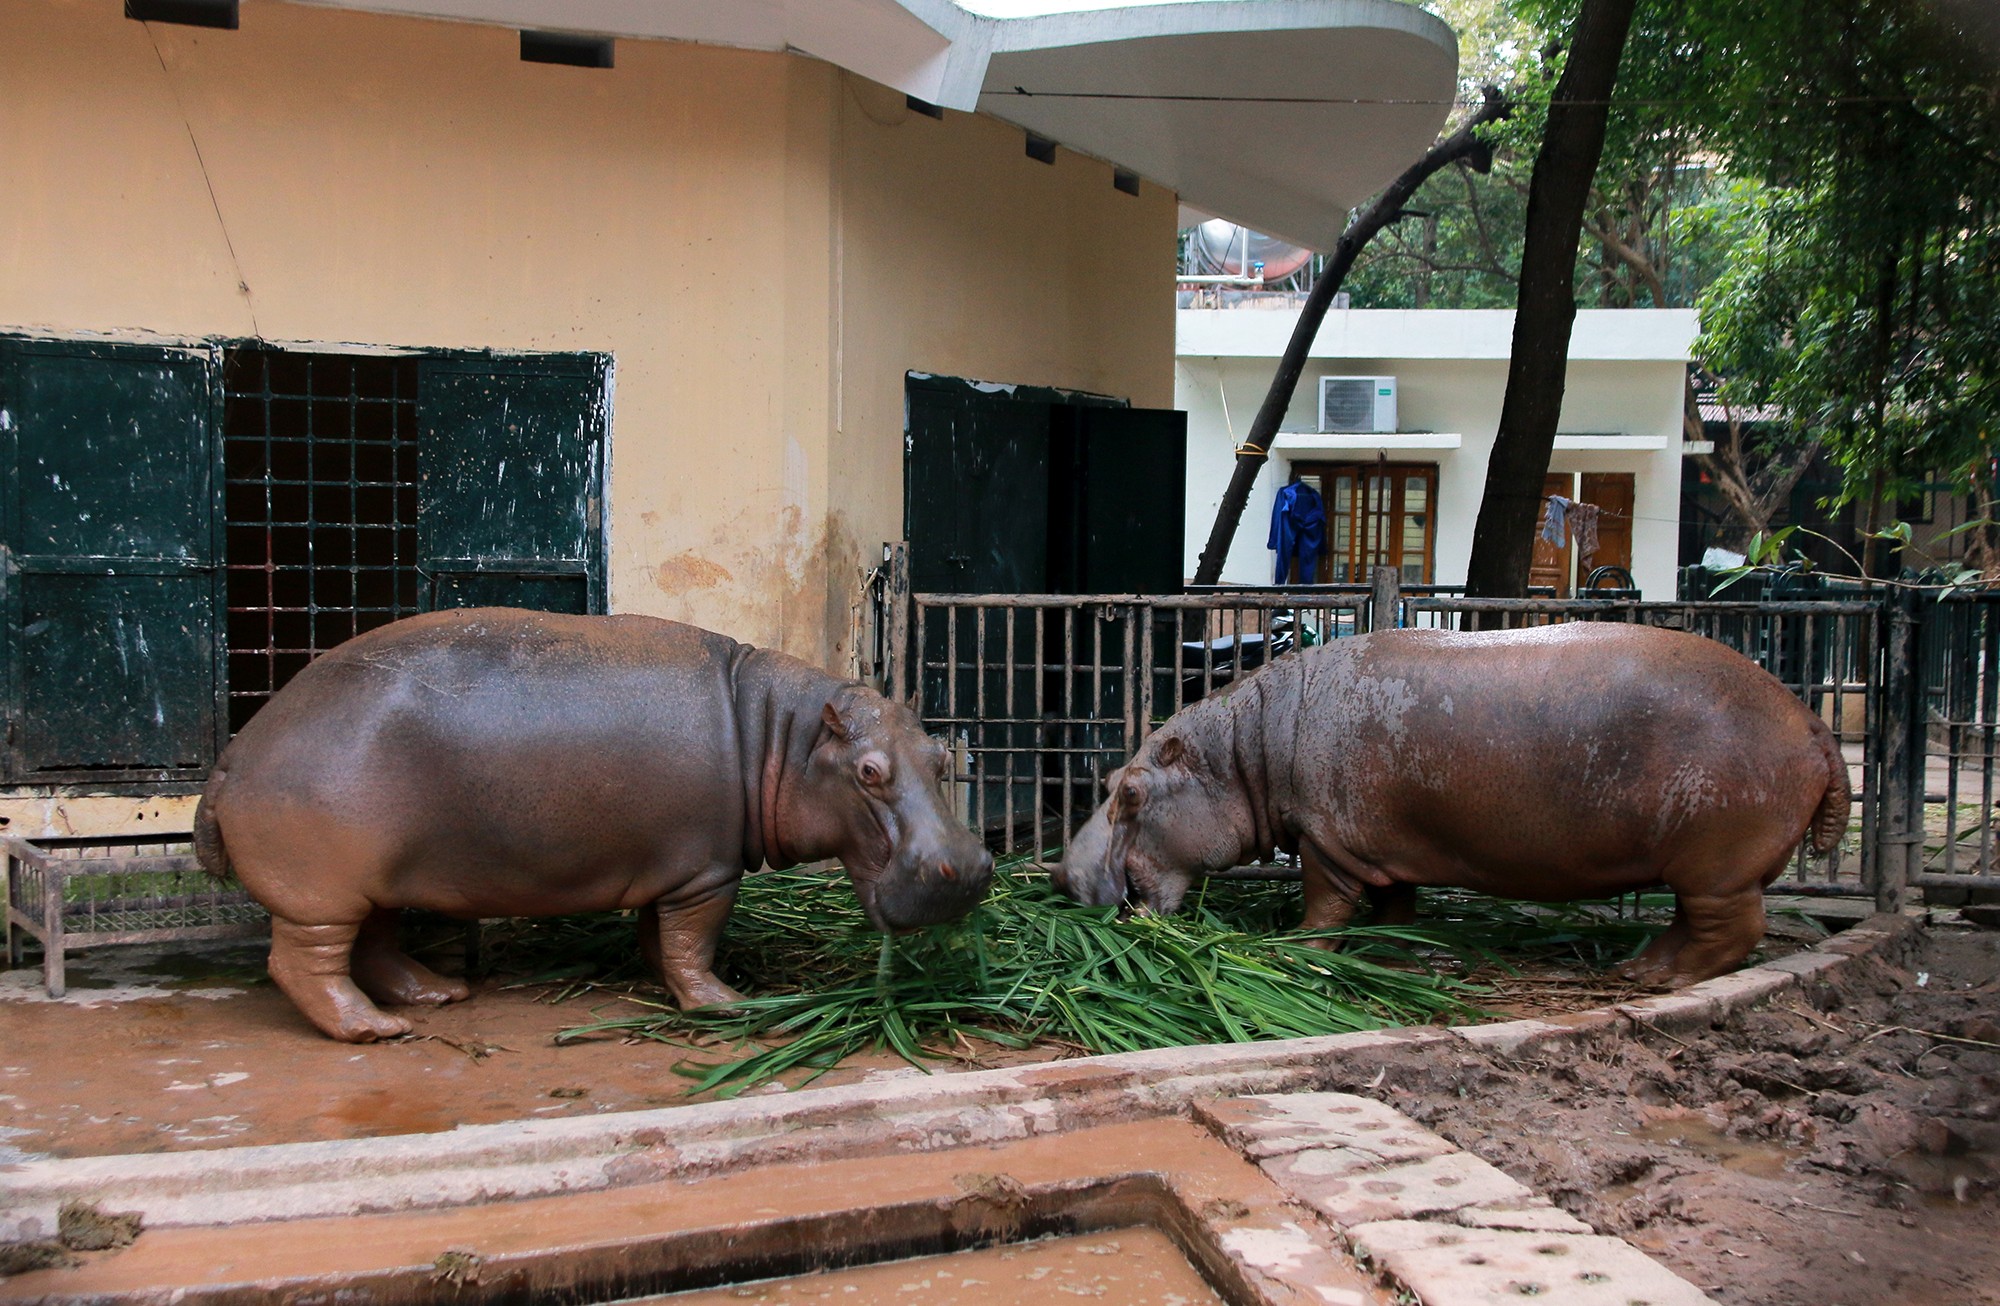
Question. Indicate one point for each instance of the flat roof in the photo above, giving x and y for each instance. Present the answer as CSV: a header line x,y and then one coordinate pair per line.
x,y
1602,334
1278,114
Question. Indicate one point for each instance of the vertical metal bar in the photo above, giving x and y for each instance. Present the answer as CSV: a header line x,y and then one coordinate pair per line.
x,y
354,626
1068,719
1208,638
951,665
975,730
1868,662
1901,838
1041,755
1147,646
896,596
1951,744
1012,741
1989,689
1130,626
913,690
1383,600
1097,723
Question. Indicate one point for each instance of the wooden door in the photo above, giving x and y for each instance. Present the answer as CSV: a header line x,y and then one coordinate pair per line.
x,y
1550,565
1377,515
1613,493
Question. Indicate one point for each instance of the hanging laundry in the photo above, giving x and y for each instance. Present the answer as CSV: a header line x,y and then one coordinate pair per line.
x,y
1298,532
1553,523
1583,525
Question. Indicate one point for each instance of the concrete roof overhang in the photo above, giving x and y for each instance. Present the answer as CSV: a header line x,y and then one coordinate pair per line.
x,y
1279,114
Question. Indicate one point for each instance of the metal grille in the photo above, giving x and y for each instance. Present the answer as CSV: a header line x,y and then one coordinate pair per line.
x,y
320,464
1959,653
1043,696
1824,652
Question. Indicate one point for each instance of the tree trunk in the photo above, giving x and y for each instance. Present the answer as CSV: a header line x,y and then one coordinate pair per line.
x,y
1384,209
1503,540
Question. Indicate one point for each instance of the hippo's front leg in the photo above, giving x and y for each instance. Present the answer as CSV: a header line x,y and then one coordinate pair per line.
x,y
687,924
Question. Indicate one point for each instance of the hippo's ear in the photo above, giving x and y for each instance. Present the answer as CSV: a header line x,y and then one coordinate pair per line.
x,y
1171,751
830,717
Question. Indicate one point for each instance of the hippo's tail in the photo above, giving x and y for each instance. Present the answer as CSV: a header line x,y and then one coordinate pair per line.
x,y
208,849
1830,819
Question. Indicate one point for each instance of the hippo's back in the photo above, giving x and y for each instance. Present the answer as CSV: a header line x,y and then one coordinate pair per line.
x,y
491,744
1510,755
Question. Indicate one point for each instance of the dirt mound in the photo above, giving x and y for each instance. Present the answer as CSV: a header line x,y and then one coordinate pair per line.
x,y
1841,1146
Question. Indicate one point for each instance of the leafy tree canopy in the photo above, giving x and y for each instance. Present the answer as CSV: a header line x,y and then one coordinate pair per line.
x,y
1820,177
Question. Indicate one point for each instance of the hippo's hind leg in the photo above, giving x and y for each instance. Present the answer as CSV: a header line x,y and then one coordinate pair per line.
x,y
310,963
689,924
1656,961
388,974
1722,930
1718,911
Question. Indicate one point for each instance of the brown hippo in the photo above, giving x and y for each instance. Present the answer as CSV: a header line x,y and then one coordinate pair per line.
x,y
1573,761
493,762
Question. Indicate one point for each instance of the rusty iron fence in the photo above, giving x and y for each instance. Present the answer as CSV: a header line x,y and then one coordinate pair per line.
x,y
1043,696
1951,837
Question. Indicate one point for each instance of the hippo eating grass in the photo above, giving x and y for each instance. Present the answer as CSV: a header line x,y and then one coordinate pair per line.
x,y
493,762
1573,761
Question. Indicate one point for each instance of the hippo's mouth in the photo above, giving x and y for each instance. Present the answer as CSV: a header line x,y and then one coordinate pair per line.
x,y
871,907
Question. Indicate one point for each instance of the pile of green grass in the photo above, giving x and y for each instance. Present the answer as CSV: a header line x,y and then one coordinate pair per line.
x,y
1030,966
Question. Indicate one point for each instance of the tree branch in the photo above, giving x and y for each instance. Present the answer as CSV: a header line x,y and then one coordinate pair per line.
x,y
1462,144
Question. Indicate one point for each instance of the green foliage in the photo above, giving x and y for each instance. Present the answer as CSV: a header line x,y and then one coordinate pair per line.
x,y
1030,965
1821,177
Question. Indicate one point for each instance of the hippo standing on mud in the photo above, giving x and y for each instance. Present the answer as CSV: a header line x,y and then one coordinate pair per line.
x,y
494,762
1573,761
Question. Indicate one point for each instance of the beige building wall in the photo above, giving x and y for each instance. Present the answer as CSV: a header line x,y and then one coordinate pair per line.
x,y
762,243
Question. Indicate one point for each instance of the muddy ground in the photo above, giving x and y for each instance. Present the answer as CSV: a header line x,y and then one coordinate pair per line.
x,y
1840,1148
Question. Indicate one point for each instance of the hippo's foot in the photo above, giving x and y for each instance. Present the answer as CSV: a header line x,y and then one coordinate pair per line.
x,y
692,991
340,1009
388,974
1711,935
1646,974
310,964
405,981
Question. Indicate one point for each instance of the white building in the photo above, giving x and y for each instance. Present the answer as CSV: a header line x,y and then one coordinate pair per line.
x,y
1619,441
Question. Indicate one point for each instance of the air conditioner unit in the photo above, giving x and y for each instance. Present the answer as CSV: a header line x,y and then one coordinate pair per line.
x,y
1357,403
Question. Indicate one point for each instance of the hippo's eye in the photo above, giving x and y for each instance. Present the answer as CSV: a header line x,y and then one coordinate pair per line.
x,y
872,770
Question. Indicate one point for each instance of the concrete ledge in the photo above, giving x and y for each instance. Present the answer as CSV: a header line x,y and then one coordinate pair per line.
x,y
1445,1266
529,1158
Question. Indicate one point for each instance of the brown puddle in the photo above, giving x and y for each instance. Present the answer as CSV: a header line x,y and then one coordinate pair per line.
x,y
1133,1266
1757,1158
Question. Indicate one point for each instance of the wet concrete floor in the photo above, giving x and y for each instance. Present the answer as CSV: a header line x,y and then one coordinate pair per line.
x,y
573,1247
164,1050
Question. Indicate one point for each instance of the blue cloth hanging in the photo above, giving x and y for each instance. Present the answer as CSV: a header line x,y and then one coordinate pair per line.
x,y
1298,531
